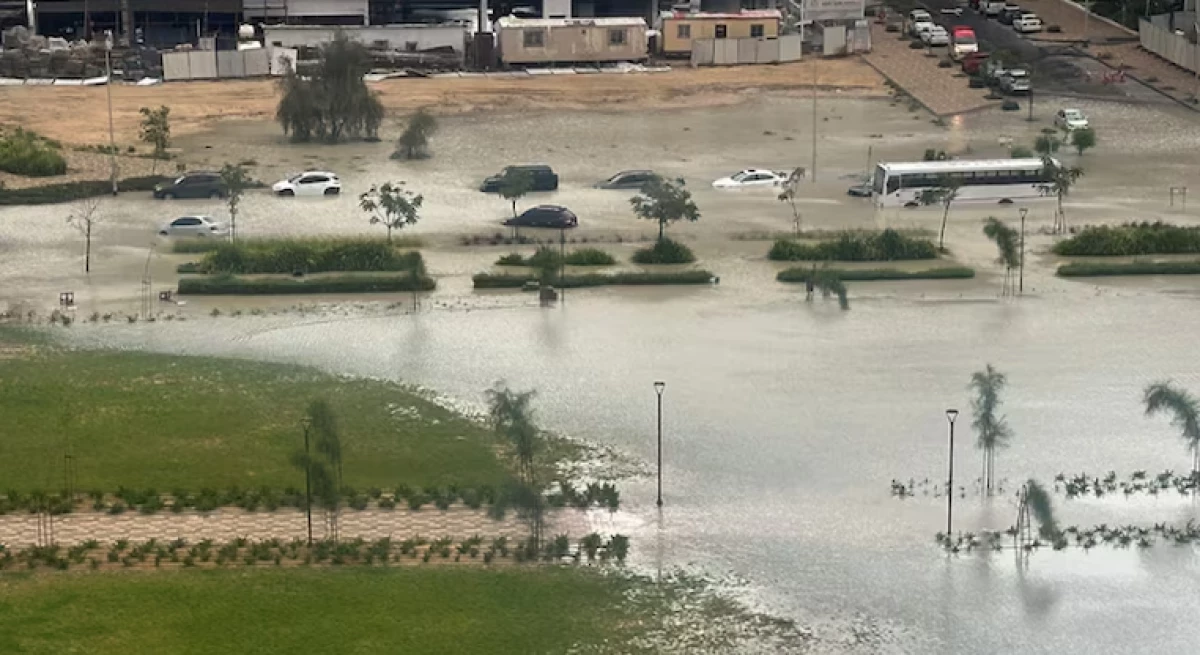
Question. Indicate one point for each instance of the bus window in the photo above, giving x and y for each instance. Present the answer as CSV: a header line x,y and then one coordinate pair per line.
x,y
878,181
893,183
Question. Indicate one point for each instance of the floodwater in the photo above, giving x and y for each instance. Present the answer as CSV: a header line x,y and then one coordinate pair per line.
x,y
785,422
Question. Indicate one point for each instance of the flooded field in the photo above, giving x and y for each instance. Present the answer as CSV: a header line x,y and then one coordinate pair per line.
x,y
784,422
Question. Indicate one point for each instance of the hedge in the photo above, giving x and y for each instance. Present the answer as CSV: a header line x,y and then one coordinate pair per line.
x,y
665,251
1088,269
233,285
1131,239
888,245
26,153
801,274
308,256
68,191
547,257
489,281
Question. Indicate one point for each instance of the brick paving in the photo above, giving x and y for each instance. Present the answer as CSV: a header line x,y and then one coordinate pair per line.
x,y
919,76
228,523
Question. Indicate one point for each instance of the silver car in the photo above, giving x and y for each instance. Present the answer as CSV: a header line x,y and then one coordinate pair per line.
x,y
193,226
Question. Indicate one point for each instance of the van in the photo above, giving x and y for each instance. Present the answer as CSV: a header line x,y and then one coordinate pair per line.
x,y
992,9
962,42
544,178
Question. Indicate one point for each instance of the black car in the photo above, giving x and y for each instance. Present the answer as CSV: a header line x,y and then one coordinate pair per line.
x,y
862,190
197,184
627,180
545,216
1010,13
544,179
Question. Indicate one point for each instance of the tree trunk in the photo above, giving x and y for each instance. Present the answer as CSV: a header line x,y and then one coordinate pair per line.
x,y
942,234
661,226
389,230
514,207
87,249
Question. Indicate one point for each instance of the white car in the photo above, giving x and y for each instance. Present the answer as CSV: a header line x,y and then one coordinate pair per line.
x,y
1027,23
919,21
193,226
1071,119
937,35
309,183
752,178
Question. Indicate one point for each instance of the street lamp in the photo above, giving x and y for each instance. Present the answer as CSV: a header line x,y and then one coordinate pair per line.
x,y
1021,276
306,423
951,414
112,139
659,387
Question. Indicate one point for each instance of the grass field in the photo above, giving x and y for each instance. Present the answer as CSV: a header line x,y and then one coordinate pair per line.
x,y
368,611
165,422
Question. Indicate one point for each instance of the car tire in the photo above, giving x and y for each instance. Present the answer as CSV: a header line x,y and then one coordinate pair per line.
x,y
163,233
332,192
168,196
1004,201
215,195
912,204
286,193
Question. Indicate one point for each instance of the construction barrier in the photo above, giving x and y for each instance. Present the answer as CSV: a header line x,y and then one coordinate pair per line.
x,y
217,64
1175,48
733,52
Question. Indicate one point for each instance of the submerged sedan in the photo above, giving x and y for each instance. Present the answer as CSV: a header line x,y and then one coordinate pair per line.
x,y
752,178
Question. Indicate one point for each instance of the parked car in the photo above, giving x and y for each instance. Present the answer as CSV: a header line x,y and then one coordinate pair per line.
x,y
1070,119
1009,13
752,178
545,216
193,226
861,190
973,62
309,183
544,179
935,36
993,70
919,20
1027,23
627,180
1015,81
993,8
196,184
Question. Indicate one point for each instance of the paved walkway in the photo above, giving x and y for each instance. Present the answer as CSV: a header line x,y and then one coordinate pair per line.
x,y
225,524
919,76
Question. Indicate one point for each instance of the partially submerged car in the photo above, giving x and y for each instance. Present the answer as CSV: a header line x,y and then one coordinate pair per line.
x,y
1071,119
627,180
309,183
194,184
1015,81
553,216
193,226
753,178
544,178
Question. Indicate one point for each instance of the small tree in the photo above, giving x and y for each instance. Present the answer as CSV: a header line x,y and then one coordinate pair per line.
x,y
332,103
391,205
1046,145
514,185
324,467
1006,240
1164,397
1083,139
992,430
665,201
1060,179
236,180
829,283
156,131
943,194
511,417
788,195
85,218
1020,152
414,142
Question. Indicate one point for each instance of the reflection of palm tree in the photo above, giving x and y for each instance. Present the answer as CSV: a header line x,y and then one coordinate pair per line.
x,y
1006,242
993,431
1185,414
512,418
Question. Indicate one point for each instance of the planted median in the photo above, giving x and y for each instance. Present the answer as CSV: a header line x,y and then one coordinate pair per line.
x,y
1100,269
887,245
67,191
802,274
226,284
490,281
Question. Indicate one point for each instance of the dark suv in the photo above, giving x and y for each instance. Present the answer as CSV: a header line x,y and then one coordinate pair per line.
x,y
545,216
197,184
544,179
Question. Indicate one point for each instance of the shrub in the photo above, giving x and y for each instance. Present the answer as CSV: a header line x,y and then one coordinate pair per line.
x,y
547,257
26,153
340,283
589,257
68,191
1131,239
801,274
888,245
1087,269
489,281
309,256
666,251
511,259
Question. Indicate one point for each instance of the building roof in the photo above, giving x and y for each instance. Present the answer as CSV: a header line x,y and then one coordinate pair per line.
x,y
749,14
513,21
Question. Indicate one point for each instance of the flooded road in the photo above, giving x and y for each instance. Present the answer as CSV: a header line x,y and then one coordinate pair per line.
x,y
785,423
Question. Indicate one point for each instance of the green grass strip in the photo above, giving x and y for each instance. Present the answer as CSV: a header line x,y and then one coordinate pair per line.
x,y
801,273
233,285
1089,269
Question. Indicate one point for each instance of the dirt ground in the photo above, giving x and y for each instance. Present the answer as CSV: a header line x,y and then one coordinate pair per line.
x,y
79,115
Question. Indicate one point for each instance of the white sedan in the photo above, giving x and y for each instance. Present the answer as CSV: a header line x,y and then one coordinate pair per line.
x,y
192,226
1071,119
309,183
752,178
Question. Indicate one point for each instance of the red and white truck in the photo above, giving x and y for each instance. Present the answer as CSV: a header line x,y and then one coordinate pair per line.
x,y
962,42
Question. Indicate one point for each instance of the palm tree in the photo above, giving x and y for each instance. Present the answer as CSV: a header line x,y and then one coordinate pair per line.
x,y
942,194
1185,414
993,431
1006,242
1037,501
1060,179
512,418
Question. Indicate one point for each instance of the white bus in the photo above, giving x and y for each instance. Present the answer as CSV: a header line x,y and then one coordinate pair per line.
x,y
994,180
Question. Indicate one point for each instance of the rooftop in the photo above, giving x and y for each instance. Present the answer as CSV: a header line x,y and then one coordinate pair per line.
x,y
747,14
513,21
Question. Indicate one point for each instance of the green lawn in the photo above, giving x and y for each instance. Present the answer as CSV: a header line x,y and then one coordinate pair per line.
x,y
448,609
166,422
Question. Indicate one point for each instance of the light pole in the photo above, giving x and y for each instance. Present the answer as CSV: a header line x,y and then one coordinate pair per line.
x,y
306,423
112,140
1021,275
659,387
951,414
562,265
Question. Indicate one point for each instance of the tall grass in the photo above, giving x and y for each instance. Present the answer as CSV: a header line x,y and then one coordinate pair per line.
x,y
488,281
25,153
1145,238
308,256
888,245
802,274
226,284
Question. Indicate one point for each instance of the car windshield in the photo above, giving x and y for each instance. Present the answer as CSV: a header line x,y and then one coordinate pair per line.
x,y
741,176
1017,73
295,178
1073,114
617,177
964,37
179,180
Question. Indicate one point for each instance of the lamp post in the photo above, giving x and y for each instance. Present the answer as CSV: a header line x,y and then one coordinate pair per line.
x,y
951,414
112,140
1021,274
306,423
562,265
659,387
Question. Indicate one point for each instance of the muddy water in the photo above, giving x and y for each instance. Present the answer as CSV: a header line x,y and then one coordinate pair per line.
x,y
785,422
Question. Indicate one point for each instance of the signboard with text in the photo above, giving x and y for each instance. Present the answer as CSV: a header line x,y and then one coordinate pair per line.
x,y
821,10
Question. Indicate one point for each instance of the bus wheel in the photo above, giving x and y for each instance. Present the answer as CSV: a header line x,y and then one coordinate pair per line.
x,y
1005,201
912,204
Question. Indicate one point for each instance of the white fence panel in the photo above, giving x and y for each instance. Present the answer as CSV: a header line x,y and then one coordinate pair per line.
x,y
176,66
702,52
1170,46
257,63
230,64
203,65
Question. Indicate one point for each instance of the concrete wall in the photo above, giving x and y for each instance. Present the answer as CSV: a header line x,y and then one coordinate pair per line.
x,y
398,37
737,52
572,43
1167,44
305,9
214,64
678,41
